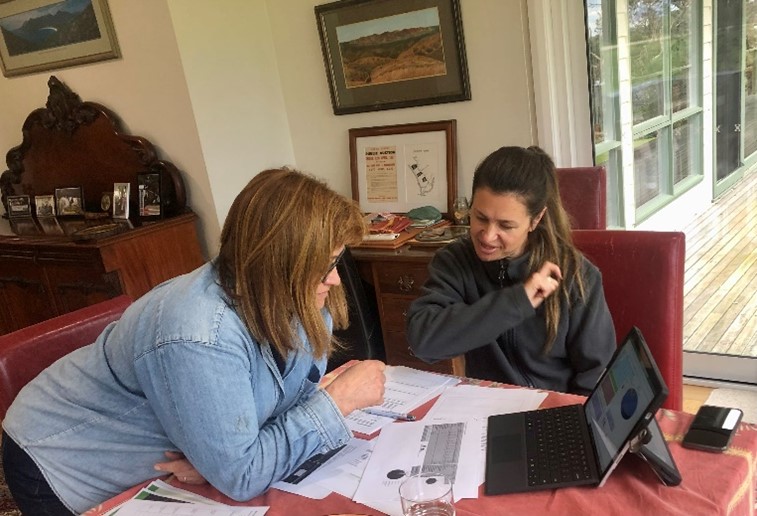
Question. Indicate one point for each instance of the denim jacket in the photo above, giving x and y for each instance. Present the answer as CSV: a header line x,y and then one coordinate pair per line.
x,y
179,371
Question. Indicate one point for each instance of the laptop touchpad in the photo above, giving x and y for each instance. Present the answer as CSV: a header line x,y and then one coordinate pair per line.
x,y
506,448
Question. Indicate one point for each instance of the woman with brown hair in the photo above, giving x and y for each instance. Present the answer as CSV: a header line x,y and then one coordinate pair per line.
x,y
515,296
220,367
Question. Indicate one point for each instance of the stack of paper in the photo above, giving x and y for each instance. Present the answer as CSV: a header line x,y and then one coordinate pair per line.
x,y
450,440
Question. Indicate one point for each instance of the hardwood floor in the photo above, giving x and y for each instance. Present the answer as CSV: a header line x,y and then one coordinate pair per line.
x,y
720,288
694,397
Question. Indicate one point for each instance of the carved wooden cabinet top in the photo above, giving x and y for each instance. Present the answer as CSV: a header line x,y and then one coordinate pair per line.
x,y
70,143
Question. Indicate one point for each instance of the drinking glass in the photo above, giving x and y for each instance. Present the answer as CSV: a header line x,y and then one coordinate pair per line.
x,y
426,494
460,209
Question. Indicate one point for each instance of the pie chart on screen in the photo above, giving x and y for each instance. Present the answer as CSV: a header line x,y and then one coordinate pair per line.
x,y
629,403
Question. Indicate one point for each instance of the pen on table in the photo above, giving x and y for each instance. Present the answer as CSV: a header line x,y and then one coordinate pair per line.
x,y
388,413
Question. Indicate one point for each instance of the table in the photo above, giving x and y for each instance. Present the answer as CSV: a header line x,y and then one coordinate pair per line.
x,y
713,484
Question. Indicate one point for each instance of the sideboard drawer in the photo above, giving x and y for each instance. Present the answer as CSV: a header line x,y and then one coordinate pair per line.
x,y
400,278
394,312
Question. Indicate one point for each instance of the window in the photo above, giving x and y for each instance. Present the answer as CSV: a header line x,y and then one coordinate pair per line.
x,y
647,107
750,79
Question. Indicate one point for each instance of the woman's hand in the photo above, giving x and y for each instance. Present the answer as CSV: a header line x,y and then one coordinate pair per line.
x,y
542,283
361,385
181,468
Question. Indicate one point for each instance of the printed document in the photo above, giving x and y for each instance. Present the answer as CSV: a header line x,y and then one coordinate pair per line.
x,y
406,389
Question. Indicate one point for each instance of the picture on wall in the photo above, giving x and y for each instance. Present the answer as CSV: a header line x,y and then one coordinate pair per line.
x,y
386,54
401,167
38,35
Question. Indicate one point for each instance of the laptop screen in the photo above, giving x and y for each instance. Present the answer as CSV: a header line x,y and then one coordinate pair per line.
x,y
627,393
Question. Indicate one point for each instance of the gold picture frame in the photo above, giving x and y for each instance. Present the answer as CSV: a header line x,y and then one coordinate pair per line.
x,y
400,167
83,35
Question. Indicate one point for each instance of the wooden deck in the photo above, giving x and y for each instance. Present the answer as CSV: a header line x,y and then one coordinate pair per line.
x,y
720,289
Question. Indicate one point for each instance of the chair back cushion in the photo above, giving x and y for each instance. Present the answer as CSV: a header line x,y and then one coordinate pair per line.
x,y
583,192
27,352
642,274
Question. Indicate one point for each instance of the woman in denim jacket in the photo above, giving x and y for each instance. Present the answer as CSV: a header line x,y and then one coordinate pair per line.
x,y
218,367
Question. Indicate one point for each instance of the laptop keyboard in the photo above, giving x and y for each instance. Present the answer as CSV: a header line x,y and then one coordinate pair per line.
x,y
555,447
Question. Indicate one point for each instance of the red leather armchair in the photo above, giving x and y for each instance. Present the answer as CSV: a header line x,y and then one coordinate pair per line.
x,y
583,192
643,273
27,352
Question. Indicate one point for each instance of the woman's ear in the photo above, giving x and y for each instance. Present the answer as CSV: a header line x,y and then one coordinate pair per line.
x,y
537,219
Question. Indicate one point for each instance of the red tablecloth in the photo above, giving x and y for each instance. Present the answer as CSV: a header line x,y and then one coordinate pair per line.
x,y
713,484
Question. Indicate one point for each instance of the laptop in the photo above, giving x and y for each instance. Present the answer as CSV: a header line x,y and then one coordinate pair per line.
x,y
577,444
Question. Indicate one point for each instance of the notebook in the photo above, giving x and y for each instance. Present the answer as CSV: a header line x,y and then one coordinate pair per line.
x,y
577,444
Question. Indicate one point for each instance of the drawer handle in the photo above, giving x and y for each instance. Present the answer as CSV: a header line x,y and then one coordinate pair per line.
x,y
406,282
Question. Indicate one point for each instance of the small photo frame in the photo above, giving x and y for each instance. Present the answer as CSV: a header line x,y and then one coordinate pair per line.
x,y
121,195
44,206
69,202
106,202
150,206
19,206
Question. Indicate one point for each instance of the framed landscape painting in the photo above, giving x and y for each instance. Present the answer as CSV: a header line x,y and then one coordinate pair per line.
x,y
37,35
386,54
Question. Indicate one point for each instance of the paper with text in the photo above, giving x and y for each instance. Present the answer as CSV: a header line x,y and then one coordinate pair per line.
x,y
405,389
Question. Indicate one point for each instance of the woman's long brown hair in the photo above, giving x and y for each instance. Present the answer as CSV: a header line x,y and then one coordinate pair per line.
x,y
276,244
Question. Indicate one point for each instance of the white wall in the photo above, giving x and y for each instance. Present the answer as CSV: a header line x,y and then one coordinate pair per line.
x,y
233,81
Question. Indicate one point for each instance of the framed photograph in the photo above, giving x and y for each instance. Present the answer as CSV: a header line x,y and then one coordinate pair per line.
x,y
69,201
400,167
38,35
387,54
44,206
19,206
121,194
106,201
149,196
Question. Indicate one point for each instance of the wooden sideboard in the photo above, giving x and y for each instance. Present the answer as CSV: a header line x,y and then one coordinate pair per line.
x,y
41,277
54,265
397,276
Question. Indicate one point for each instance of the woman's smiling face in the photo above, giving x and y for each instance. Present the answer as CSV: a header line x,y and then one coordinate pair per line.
x,y
499,224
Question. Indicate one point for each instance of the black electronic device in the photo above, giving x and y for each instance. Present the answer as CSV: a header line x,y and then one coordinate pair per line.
x,y
712,428
624,400
652,448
